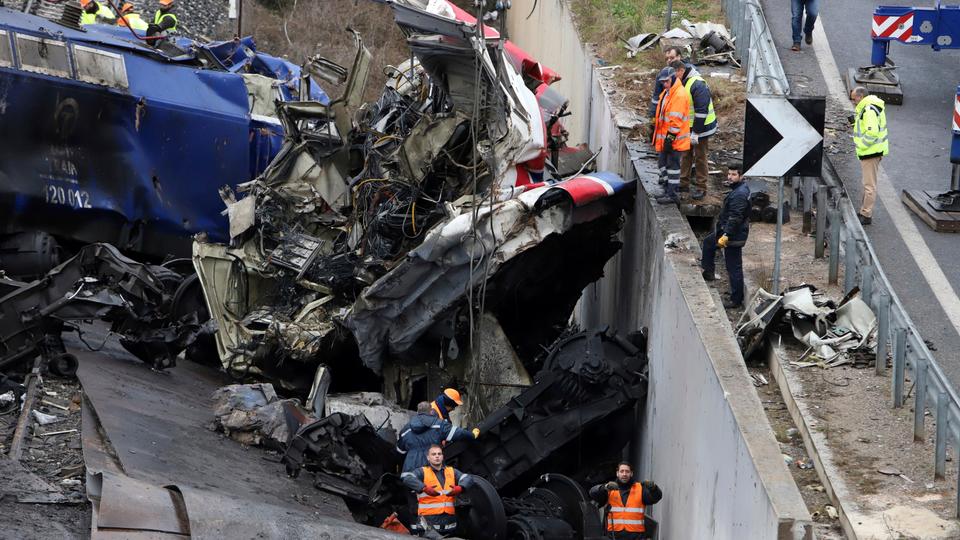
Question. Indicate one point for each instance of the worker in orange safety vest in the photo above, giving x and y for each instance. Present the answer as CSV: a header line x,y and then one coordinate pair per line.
x,y
437,488
446,402
626,501
671,133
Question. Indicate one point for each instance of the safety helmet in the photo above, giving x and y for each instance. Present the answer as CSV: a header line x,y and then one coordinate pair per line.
x,y
454,395
166,3
127,7
85,3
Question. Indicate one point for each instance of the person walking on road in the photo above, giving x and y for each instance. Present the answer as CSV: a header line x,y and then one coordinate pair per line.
x,y
625,501
797,7
671,133
733,227
870,138
437,488
703,124
425,430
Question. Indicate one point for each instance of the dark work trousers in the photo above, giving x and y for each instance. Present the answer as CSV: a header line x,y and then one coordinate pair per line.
x,y
669,164
696,158
733,256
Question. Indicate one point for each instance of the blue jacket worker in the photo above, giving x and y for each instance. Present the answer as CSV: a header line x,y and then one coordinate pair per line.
x,y
424,431
733,227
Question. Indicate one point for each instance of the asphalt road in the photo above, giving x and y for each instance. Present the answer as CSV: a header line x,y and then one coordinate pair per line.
x,y
919,152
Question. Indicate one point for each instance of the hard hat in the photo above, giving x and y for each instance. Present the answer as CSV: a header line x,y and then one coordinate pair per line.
x,y
126,7
85,3
454,395
166,3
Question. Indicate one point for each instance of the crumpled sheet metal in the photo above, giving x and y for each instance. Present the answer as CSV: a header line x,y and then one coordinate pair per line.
x,y
854,327
398,308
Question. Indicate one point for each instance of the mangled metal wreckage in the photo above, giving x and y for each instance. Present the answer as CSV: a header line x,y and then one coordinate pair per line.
x,y
381,230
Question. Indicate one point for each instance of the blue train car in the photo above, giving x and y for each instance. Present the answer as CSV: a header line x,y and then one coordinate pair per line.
x,y
104,138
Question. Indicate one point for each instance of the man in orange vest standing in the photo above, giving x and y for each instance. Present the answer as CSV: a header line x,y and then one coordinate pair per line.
x,y
671,133
626,501
437,488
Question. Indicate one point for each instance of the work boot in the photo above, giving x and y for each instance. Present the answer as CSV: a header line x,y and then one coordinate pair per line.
x,y
864,220
670,195
708,275
728,304
697,194
809,39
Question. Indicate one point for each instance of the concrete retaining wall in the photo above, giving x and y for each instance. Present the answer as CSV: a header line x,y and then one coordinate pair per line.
x,y
706,438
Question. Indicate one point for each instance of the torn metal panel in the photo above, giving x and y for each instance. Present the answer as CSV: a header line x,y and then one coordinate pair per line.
x,y
97,283
588,386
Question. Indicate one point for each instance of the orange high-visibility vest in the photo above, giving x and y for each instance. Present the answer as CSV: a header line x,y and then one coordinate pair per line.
x,y
673,117
428,505
626,517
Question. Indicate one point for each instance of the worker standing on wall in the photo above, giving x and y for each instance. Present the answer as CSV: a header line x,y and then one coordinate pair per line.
x,y
703,124
870,138
129,17
95,13
165,19
733,228
437,488
671,135
625,501
446,402
425,430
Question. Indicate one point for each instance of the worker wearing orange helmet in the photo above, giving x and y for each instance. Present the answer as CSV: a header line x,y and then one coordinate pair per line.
x,y
446,402
164,18
129,17
95,13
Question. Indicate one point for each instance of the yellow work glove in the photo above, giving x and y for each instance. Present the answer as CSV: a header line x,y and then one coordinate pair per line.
x,y
722,241
476,433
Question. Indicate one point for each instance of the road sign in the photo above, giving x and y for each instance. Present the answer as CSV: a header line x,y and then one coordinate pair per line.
x,y
783,137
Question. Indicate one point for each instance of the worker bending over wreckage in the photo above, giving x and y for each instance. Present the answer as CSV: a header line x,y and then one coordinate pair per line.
x,y
426,429
95,13
437,488
446,402
625,502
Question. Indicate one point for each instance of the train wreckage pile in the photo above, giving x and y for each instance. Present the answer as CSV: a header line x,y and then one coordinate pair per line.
x,y
440,236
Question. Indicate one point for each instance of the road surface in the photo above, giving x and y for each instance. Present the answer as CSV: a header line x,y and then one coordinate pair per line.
x,y
923,266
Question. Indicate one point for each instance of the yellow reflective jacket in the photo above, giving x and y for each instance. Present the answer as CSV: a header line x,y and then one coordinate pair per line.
x,y
103,13
870,128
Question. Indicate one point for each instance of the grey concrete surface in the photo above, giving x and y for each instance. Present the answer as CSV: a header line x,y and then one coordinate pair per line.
x,y
919,150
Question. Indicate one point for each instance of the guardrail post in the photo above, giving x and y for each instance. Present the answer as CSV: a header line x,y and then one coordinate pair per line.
x,y
919,401
835,225
807,204
940,461
866,283
821,221
850,264
883,332
899,361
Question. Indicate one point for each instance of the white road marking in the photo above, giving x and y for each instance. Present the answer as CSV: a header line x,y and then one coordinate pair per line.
x,y
910,235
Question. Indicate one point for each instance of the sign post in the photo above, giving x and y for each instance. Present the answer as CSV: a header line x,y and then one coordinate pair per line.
x,y
783,137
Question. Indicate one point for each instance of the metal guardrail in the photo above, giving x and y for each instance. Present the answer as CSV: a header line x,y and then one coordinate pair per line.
x,y
896,334
756,48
